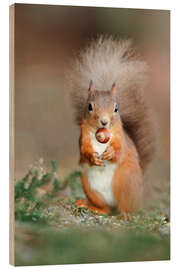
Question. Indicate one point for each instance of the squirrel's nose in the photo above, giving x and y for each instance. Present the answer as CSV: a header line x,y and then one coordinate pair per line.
x,y
104,122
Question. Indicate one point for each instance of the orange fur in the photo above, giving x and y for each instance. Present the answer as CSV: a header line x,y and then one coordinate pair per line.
x,y
110,63
128,183
128,178
103,62
117,143
86,149
87,154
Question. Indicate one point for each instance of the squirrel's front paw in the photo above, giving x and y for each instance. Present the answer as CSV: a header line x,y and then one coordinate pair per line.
x,y
95,160
109,153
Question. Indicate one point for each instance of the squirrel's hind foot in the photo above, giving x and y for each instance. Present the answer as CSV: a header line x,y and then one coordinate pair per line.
x,y
81,203
99,211
84,204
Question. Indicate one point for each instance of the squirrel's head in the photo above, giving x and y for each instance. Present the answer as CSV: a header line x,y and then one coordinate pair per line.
x,y
101,108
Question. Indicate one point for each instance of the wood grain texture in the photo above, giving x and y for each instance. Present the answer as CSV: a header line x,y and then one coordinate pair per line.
x,y
11,129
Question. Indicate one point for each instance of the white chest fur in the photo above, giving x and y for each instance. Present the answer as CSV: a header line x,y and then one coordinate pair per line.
x,y
97,146
100,178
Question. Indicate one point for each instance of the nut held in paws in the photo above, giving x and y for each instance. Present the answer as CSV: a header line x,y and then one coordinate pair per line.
x,y
102,135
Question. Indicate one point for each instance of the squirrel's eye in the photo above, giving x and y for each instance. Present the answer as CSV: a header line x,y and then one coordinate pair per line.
x,y
116,108
90,107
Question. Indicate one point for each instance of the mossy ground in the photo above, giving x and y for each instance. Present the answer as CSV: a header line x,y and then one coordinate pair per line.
x,y
51,229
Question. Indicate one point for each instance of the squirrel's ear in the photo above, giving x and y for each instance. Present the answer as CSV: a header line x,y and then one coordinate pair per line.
x,y
113,88
91,86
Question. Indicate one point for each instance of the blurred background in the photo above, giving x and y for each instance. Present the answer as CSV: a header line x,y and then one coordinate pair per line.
x,y
46,40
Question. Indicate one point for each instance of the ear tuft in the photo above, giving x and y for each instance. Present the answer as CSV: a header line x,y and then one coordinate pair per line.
x,y
113,88
91,86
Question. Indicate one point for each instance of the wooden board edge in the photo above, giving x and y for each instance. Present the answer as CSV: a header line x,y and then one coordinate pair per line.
x,y
11,130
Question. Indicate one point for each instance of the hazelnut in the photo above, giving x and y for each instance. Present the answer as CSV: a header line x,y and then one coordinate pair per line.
x,y
102,135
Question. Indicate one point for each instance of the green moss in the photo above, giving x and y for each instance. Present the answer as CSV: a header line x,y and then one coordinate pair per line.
x,y
51,229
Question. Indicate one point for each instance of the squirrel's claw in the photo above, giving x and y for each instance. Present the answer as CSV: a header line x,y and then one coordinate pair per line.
x,y
95,160
109,153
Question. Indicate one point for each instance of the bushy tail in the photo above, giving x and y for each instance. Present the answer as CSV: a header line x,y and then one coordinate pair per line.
x,y
108,60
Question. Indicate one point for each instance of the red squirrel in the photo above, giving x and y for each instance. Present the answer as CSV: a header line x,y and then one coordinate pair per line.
x,y
113,174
